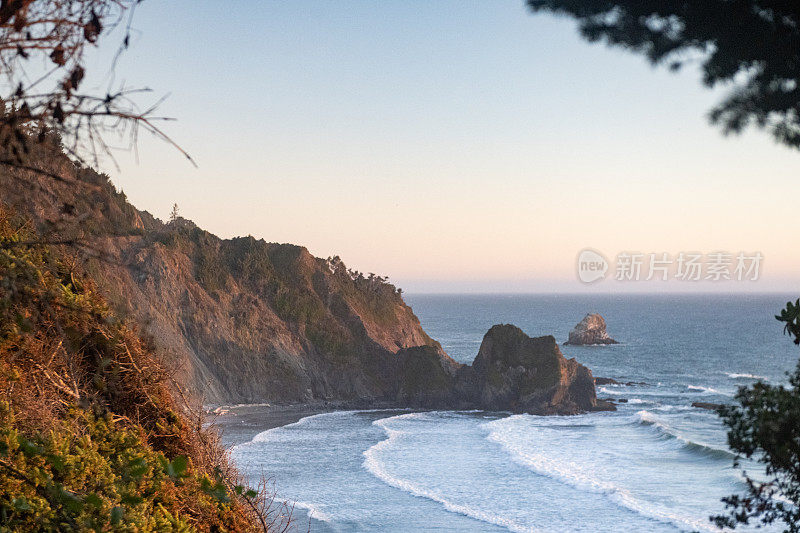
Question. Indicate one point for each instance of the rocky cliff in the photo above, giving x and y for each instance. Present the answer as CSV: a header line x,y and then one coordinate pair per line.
x,y
241,320
244,320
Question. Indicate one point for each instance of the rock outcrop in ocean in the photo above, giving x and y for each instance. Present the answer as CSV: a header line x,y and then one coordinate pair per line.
x,y
590,330
708,406
512,372
516,372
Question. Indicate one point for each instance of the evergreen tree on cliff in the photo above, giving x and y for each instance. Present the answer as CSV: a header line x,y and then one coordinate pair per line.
x,y
752,46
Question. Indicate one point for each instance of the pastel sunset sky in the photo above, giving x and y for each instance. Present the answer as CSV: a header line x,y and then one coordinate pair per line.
x,y
451,145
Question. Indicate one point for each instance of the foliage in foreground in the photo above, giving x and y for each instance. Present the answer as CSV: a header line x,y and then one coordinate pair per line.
x,y
764,425
90,435
104,478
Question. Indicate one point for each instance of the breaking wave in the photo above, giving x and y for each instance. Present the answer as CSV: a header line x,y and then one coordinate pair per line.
x,y
501,432
649,419
313,511
376,467
734,375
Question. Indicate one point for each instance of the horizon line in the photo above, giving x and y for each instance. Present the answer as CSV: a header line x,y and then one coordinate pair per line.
x,y
598,293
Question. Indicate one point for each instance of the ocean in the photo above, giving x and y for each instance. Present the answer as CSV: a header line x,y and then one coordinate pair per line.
x,y
656,464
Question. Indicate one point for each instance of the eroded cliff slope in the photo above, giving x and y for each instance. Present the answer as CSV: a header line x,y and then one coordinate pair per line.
x,y
243,320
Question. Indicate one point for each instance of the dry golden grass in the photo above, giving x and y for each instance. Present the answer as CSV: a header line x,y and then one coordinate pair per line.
x,y
78,380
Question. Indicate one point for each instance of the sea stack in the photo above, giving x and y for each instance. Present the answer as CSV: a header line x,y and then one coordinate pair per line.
x,y
590,330
530,375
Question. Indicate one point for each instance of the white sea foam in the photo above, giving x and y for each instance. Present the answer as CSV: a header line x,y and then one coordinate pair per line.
x,y
502,432
270,434
313,510
706,390
373,464
701,389
734,375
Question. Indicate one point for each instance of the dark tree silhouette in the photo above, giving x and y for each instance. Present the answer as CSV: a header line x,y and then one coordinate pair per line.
x,y
43,45
764,425
751,45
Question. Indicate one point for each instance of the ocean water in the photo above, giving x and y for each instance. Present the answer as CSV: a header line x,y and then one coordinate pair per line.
x,y
657,464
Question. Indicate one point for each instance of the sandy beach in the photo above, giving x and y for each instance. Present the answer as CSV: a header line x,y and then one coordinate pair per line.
x,y
238,424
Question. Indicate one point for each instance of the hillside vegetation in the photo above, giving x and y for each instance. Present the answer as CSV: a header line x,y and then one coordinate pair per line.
x,y
91,435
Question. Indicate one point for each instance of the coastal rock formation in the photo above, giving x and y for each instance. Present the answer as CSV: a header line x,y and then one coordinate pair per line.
x,y
240,320
512,372
246,321
590,330
524,374
707,405
424,379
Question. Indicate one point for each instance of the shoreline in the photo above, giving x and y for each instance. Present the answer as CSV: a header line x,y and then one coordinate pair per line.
x,y
238,424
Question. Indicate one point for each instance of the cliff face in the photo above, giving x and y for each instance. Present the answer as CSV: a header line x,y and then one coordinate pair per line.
x,y
242,320
268,322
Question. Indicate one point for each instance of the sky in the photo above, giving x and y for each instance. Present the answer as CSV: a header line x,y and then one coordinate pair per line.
x,y
454,146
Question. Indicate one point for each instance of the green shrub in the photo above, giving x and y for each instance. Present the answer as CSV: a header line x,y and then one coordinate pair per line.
x,y
91,437
105,479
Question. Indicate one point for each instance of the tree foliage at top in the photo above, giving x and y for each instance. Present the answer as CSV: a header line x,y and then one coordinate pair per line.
x,y
753,46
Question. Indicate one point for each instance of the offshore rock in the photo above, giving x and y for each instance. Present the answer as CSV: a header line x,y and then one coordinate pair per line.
x,y
591,330
523,374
